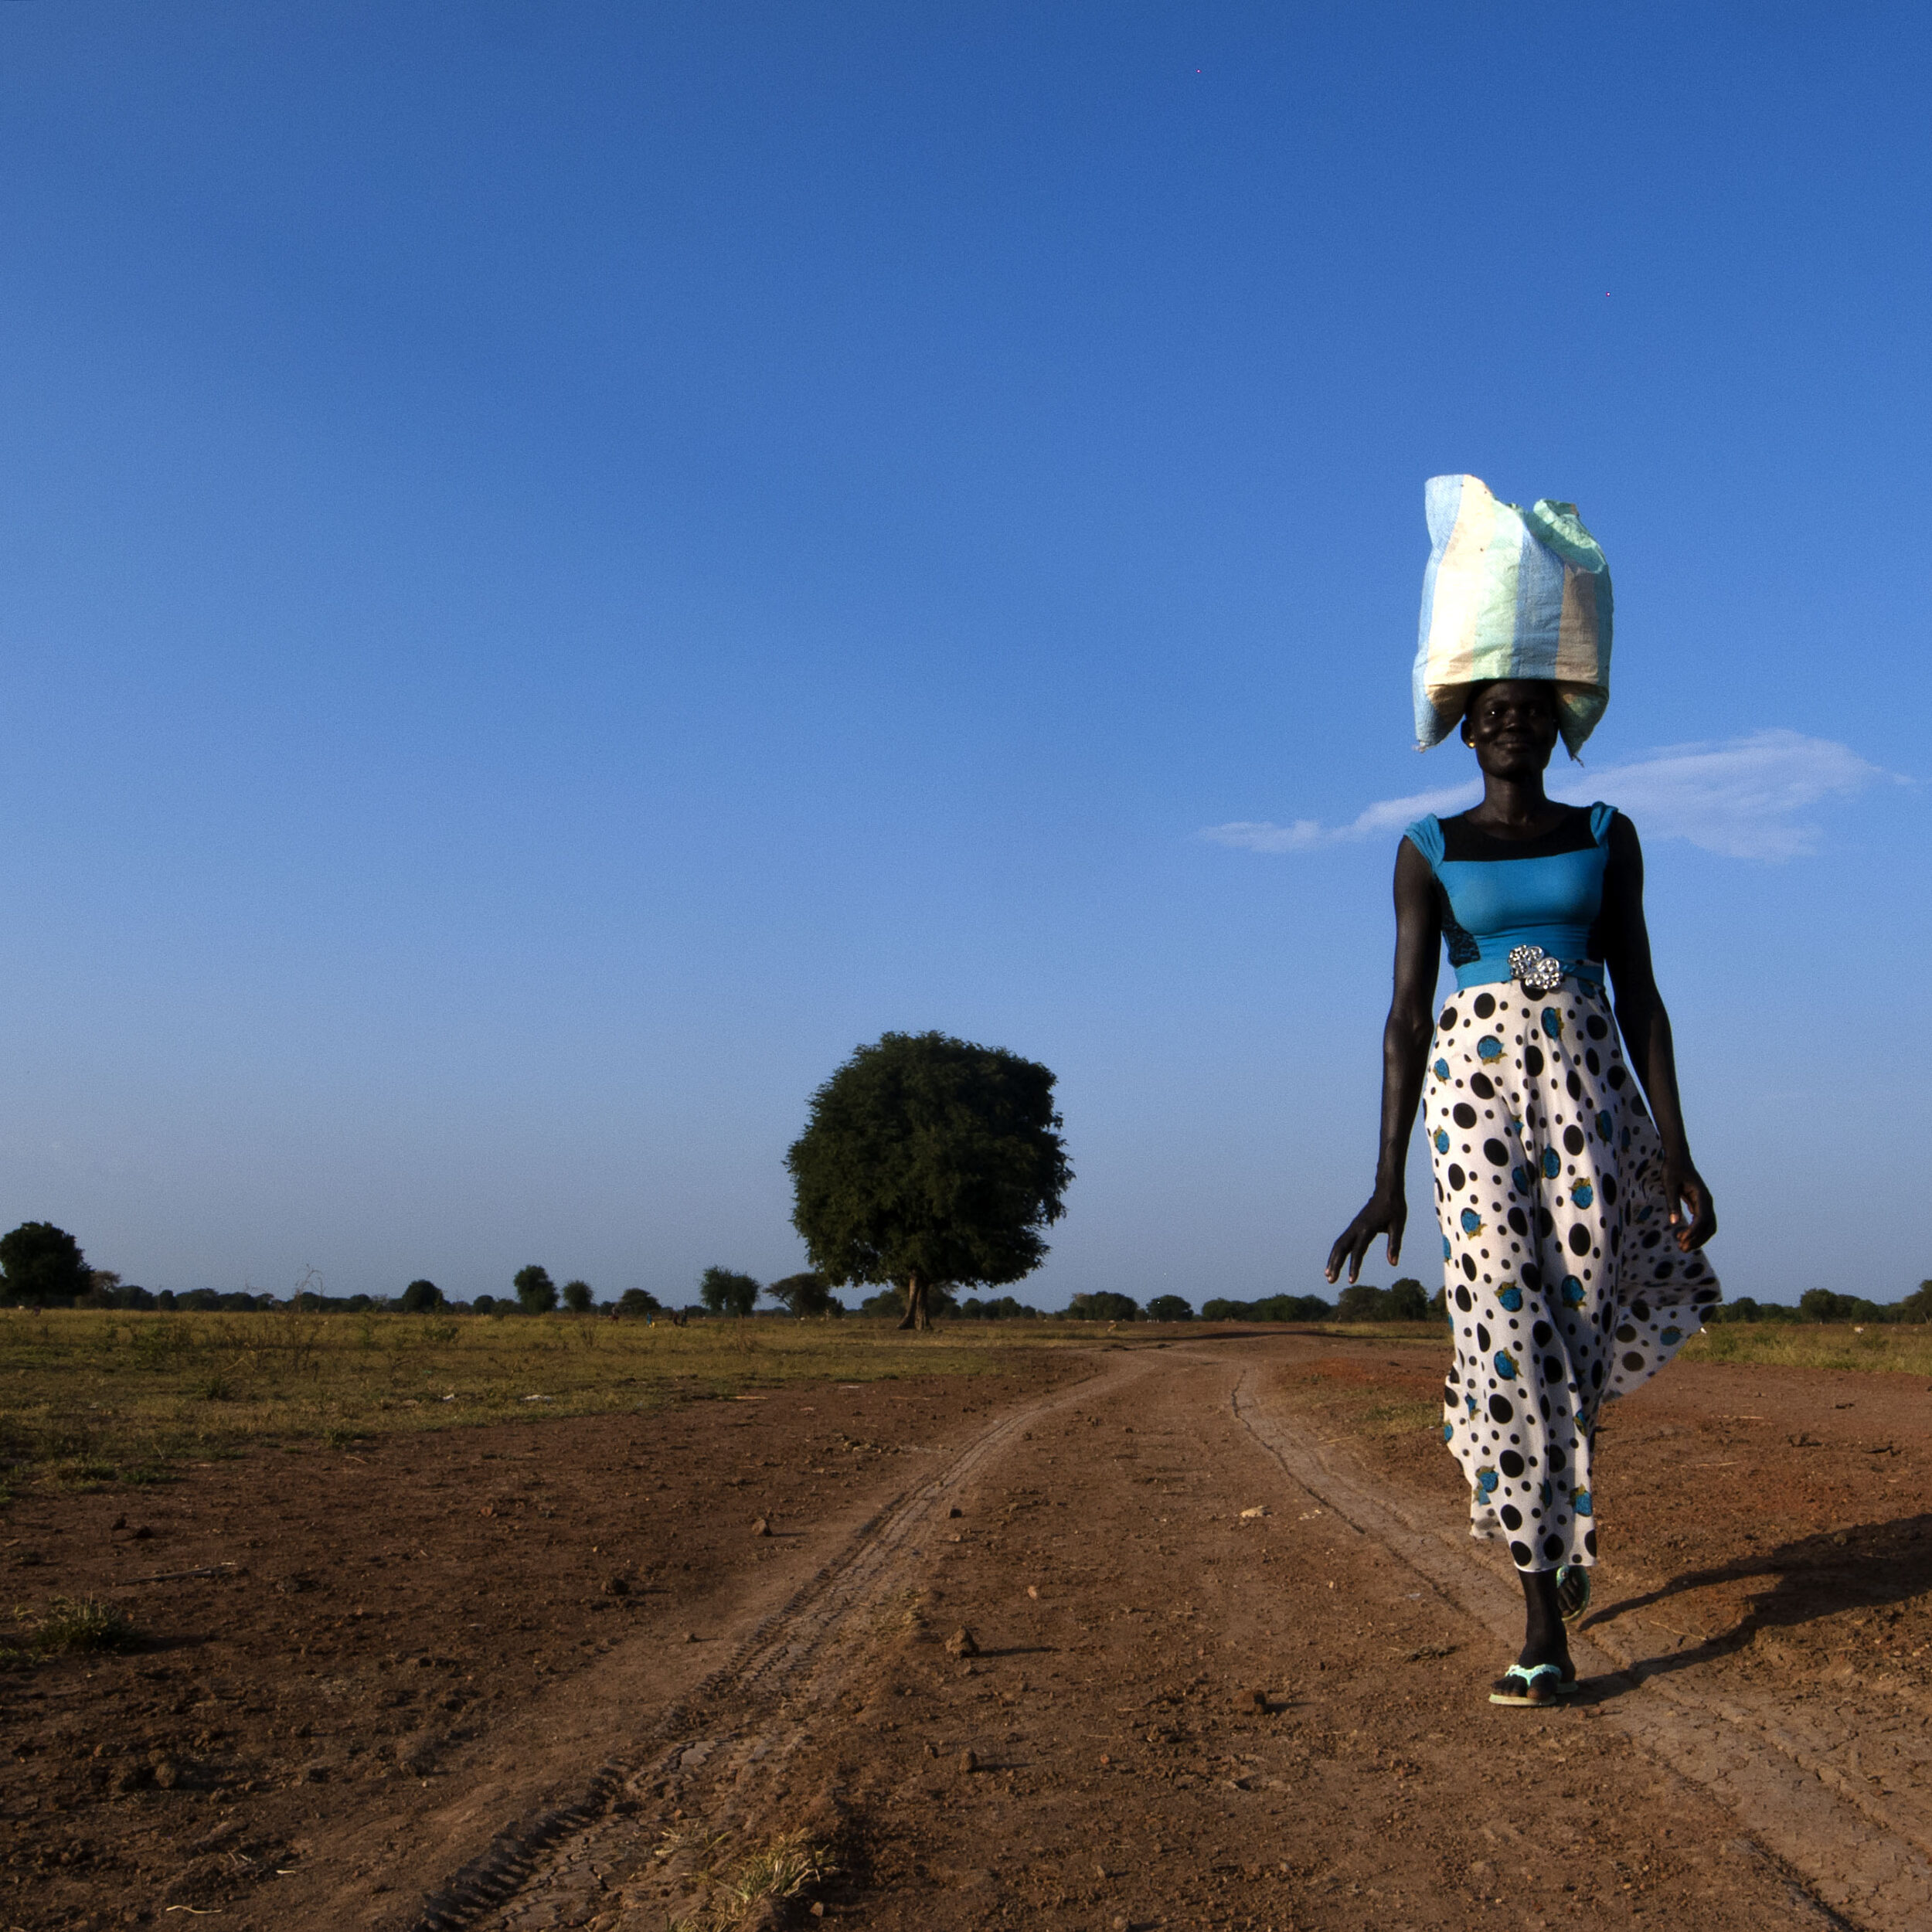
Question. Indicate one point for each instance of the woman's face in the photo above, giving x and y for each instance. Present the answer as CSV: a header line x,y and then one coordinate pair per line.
x,y
1511,726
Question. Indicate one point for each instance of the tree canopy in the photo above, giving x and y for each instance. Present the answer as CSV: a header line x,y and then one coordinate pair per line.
x,y
578,1297
1408,1301
726,1291
421,1296
534,1290
927,1162
803,1294
1103,1304
42,1264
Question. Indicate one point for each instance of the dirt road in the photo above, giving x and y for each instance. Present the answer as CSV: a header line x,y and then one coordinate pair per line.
x,y
1177,1712
1228,1655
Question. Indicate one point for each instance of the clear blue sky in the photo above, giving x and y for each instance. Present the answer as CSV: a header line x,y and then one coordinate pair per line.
x,y
562,564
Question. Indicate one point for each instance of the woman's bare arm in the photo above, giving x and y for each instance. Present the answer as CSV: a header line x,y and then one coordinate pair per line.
x,y
1645,1025
1405,1054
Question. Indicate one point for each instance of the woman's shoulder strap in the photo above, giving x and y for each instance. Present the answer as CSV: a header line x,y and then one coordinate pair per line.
x,y
1600,815
1426,835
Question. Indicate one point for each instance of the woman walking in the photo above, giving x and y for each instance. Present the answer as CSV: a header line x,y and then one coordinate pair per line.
x,y
1572,1218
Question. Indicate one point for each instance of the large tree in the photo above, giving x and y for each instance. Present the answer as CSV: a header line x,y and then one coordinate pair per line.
x,y
42,1264
534,1290
928,1162
805,1294
726,1291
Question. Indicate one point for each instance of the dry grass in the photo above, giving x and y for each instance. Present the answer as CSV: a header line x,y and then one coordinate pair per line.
x,y
1904,1347
92,1396
785,1869
1402,1418
70,1624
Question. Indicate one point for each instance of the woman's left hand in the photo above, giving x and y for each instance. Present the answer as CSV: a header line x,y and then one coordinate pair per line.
x,y
1684,1189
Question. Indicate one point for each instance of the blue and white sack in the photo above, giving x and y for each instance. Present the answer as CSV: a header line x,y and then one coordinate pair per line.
x,y
1510,593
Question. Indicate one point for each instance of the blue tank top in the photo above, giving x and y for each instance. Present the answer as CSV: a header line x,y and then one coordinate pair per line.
x,y
1498,894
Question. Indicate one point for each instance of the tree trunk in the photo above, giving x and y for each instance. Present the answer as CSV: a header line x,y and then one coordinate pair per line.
x,y
916,1316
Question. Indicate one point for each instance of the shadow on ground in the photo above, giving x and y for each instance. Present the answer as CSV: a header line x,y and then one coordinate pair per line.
x,y
1864,1567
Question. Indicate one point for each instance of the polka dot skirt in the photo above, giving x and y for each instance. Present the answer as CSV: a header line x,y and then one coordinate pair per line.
x,y
1564,1285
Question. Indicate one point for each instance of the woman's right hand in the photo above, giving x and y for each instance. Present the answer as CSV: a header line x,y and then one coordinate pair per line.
x,y
1387,1212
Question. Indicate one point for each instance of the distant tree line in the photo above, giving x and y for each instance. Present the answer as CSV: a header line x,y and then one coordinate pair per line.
x,y
1822,1304
1271,1307
42,1266
1408,1301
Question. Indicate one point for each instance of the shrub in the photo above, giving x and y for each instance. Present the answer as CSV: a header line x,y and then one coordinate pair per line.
x,y
121,1295
1917,1306
939,1301
1169,1308
577,1297
483,1304
1408,1301
536,1292
1277,1308
726,1291
1821,1305
635,1301
1103,1305
1359,1302
1002,1307
1300,1308
419,1297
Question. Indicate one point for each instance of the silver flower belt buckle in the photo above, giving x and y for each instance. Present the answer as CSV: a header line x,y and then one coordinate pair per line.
x,y
1534,970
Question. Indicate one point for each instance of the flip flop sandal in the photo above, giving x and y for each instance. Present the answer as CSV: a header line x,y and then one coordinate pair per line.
x,y
1535,1685
1572,1591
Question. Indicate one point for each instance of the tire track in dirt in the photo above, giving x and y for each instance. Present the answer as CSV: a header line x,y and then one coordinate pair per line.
x,y
1866,1858
788,1664
1846,1857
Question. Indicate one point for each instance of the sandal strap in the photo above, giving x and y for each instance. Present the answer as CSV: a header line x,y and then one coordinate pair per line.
x,y
1531,1673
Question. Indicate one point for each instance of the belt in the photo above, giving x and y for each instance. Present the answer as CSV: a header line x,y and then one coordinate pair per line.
x,y
1537,971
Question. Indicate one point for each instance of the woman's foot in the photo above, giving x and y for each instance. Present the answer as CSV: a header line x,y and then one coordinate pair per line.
x,y
1533,1685
1534,1656
1544,1642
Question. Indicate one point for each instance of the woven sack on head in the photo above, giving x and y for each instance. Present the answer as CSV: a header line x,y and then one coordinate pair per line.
x,y
1510,593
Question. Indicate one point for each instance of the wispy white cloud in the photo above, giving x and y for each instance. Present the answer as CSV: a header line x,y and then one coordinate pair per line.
x,y
1303,834
1742,798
